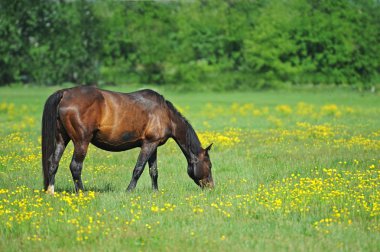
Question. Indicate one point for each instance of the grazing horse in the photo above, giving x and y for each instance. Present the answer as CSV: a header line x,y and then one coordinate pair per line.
x,y
116,121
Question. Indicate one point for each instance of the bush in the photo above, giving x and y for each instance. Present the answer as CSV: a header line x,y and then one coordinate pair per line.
x,y
198,44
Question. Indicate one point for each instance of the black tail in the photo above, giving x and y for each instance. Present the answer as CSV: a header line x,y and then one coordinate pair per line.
x,y
49,129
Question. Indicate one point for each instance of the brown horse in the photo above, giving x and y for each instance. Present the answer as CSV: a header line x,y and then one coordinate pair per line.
x,y
116,122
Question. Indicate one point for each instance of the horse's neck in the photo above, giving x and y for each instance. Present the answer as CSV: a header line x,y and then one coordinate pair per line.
x,y
180,136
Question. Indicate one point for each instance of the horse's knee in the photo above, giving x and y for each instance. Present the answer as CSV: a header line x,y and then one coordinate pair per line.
x,y
153,173
137,172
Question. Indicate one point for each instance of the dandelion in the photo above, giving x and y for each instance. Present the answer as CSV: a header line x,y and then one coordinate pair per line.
x,y
154,209
284,109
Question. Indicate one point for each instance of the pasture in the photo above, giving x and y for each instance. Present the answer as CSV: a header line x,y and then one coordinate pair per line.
x,y
293,171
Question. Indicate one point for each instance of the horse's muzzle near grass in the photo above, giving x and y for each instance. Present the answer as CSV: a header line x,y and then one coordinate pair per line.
x,y
116,121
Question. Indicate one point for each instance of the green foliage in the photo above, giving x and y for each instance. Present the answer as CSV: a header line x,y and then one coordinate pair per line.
x,y
193,44
48,42
313,42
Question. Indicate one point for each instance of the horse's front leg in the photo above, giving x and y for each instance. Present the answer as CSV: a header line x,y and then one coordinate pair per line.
x,y
146,152
153,170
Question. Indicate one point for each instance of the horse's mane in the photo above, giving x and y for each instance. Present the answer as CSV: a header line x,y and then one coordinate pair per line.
x,y
192,140
193,144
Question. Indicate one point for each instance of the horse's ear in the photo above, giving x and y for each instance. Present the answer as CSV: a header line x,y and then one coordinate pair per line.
x,y
208,148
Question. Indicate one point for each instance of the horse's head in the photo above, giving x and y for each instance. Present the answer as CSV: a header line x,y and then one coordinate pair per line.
x,y
200,168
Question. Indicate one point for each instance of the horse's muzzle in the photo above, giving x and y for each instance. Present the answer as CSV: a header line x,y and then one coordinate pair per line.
x,y
206,183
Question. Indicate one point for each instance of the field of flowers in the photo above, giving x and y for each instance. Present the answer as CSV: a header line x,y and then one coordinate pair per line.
x,y
293,171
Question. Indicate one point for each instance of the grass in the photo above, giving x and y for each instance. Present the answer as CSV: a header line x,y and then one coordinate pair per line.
x,y
295,171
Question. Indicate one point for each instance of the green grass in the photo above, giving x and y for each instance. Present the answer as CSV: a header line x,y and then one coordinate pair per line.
x,y
289,176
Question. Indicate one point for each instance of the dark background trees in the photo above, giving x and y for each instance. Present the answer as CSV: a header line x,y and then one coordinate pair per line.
x,y
194,44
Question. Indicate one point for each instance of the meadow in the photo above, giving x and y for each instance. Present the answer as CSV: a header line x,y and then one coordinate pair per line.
x,y
294,171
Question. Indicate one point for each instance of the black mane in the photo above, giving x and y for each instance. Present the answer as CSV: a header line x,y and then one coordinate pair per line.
x,y
192,140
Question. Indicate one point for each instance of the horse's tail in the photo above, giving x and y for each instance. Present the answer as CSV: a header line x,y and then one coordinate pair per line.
x,y
49,130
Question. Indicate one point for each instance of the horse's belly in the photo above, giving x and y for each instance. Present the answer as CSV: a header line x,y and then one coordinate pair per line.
x,y
119,144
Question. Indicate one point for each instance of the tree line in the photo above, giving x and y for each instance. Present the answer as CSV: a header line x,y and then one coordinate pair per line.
x,y
218,44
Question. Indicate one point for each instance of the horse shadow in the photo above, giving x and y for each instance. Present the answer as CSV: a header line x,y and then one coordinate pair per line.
x,y
106,188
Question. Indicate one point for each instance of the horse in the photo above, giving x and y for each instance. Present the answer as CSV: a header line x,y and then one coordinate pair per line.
x,y
115,121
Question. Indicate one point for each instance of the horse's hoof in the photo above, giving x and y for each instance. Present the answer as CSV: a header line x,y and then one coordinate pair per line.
x,y
129,190
50,190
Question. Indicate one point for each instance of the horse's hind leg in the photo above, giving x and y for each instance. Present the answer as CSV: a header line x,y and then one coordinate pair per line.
x,y
61,142
76,165
152,161
146,152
